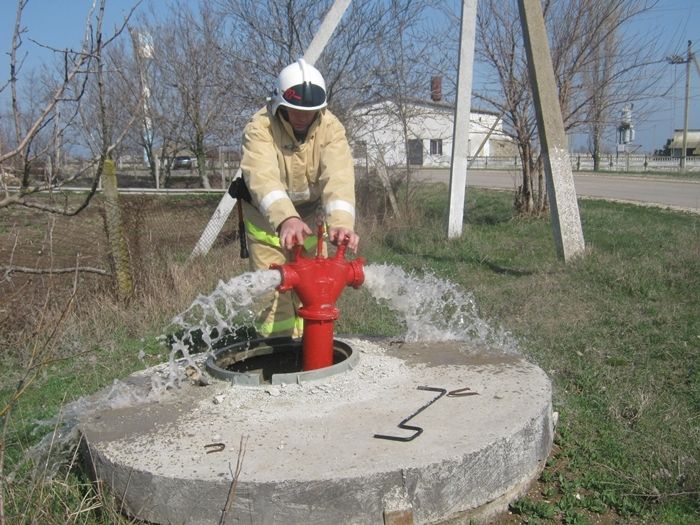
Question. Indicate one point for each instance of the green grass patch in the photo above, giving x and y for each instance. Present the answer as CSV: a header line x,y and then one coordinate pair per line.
x,y
618,331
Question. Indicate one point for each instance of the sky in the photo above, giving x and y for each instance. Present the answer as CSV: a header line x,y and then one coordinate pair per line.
x,y
675,22
60,23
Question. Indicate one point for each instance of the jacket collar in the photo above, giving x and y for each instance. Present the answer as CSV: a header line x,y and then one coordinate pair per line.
x,y
309,133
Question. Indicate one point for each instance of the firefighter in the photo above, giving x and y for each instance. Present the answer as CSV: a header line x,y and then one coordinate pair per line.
x,y
297,167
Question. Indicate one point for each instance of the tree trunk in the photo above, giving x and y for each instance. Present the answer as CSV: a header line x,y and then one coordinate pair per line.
x,y
152,165
542,203
201,161
384,178
202,170
524,203
115,232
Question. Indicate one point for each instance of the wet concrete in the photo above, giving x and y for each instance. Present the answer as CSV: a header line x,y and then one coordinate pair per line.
x,y
308,452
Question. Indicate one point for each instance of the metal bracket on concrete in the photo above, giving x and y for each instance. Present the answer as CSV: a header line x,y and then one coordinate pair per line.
x,y
418,430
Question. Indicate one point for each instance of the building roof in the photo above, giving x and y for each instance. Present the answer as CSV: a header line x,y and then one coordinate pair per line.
x,y
439,105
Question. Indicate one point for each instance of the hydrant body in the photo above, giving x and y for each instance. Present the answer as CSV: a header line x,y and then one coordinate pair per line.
x,y
319,282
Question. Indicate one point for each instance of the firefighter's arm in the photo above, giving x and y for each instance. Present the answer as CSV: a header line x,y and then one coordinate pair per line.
x,y
337,177
262,175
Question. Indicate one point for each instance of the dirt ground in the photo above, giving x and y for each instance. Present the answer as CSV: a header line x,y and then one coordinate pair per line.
x,y
40,251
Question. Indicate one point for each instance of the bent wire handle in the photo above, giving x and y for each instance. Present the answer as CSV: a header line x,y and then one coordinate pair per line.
x,y
461,392
418,430
215,447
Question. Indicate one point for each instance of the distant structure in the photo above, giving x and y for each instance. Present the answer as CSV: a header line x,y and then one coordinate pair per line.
x,y
674,145
379,130
143,48
625,130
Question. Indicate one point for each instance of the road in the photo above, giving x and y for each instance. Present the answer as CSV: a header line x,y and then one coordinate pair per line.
x,y
667,192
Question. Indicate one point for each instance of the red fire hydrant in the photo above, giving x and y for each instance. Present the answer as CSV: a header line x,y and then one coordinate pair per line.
x,y
319,282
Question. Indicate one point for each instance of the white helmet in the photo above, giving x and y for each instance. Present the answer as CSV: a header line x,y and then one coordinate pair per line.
x,y
299,86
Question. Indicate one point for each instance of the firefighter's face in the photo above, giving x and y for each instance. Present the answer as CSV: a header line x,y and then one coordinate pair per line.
x,y
300,120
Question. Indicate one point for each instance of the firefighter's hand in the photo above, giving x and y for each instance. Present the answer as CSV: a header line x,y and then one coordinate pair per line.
x,y
337,235
293,231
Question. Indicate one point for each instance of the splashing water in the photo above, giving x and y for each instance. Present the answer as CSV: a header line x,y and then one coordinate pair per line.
x,y
433,309
211,317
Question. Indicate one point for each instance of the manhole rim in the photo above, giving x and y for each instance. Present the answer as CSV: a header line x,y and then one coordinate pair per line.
x,y
264,345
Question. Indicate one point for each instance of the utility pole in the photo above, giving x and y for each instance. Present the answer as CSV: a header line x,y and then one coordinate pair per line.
x,y
566,221
684,152
143,51
678,59
460,136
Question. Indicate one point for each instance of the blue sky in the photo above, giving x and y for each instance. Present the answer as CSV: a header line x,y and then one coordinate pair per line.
x,y
676,22
59,23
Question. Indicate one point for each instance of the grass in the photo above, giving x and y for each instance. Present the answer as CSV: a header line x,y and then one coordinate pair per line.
x,y
618,331
650,173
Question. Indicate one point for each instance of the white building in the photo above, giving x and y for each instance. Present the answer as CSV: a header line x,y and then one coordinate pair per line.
x,y
377,131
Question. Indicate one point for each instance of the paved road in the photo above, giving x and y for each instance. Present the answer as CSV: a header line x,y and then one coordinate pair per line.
x,y
680,194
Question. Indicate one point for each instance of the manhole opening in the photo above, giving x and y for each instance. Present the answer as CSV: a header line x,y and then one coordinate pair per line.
x,y
273,360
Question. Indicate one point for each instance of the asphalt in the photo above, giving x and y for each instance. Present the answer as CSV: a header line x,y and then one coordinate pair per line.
x,y
679,194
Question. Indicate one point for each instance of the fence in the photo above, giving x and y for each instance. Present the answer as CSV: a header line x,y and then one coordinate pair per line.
x,y
611,162
37,249
46,256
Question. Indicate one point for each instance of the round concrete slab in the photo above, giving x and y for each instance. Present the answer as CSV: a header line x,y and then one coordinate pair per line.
x,y
309,454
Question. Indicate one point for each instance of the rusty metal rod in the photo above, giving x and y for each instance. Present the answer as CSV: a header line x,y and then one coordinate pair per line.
x,y
417,430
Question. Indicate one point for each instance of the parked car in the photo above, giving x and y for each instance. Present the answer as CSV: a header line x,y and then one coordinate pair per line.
x,y
184,162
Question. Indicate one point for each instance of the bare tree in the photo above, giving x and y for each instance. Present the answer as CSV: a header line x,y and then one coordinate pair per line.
x,y
266,36
377,52
188,63
403,76
621,67
151,96
26,141
593,75
81,71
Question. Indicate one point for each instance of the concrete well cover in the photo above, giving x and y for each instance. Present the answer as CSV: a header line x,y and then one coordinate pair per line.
x,y
310,455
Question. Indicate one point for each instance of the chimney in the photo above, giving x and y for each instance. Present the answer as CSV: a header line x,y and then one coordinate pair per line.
x,y
436,88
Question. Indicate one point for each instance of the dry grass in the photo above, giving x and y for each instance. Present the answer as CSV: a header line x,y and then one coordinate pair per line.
x,y
617,332
84,334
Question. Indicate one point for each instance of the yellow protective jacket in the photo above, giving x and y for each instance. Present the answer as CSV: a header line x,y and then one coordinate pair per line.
x,y
287,178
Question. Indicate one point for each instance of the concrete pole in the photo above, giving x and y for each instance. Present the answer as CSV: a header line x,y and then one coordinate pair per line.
x,y
323,35
684,150
566,222
460,141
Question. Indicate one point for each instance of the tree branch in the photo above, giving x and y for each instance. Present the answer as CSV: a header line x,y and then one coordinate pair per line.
x,y
9,270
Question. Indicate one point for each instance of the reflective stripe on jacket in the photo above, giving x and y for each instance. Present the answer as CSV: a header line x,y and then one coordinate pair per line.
x,y
270,239
292,325
288,178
